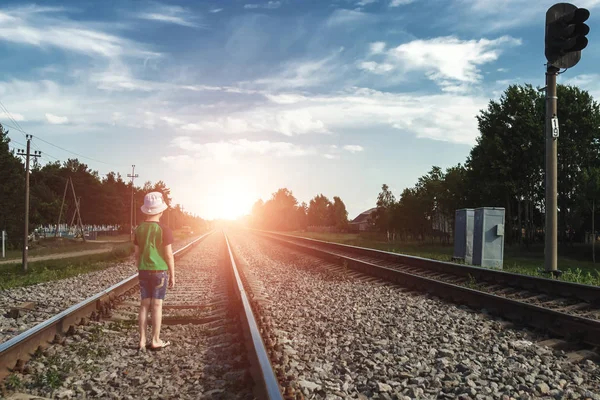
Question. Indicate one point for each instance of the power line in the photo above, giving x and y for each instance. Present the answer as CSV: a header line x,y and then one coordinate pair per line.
x,y
72,152
12,119
20,129
19,143
34,145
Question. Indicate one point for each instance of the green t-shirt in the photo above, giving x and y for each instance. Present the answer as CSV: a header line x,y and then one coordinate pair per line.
x,y
152,238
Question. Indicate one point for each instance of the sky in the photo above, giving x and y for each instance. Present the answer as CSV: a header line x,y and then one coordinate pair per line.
x,y
229,100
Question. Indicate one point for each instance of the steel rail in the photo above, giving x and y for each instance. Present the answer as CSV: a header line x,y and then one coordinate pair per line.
x,y
572,327
268,386
586,293
21,347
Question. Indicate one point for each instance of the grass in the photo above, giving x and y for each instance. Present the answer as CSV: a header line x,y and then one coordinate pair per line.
x,y
118,238
574,261
55,246
13,382
12,275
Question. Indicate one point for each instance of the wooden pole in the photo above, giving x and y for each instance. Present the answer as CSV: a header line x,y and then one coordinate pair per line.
x,y
61,208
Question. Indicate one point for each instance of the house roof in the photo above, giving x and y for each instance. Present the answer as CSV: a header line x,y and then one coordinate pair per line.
x,y
364,216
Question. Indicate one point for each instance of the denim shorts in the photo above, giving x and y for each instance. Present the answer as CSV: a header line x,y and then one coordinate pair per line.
x,y
153,284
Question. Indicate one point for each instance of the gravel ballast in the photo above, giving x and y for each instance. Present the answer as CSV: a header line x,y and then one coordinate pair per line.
x,y
55,296
102,361
342,337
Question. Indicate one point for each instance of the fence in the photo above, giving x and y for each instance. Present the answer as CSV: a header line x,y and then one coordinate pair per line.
x,y
66,231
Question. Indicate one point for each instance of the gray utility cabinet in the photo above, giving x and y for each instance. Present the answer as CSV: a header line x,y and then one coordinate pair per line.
x,y
463,234
488,237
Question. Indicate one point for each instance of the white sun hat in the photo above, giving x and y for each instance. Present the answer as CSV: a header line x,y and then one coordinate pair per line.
x,y
154,203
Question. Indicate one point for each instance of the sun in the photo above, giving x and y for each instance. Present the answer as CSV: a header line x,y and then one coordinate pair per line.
x,y
232,199
232,208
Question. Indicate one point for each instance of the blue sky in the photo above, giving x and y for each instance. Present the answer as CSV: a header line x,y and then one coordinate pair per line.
x,y
227,101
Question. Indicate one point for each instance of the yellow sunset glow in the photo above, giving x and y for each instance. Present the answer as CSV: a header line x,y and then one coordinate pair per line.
x,y
233,198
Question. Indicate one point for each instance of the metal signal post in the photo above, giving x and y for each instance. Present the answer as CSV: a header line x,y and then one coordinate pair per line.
x,y
564,40
551,258
26,230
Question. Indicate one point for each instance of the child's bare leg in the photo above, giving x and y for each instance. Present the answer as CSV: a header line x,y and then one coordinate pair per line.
x,y
143,321
156,322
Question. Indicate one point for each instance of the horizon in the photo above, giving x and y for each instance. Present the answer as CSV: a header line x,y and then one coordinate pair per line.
x,y
228,101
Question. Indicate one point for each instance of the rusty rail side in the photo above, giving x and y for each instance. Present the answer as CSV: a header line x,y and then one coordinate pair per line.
x,y
583,330
267,386
16,351
587,293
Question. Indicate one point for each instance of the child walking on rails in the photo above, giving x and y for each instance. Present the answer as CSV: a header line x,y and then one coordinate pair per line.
x,y
156,267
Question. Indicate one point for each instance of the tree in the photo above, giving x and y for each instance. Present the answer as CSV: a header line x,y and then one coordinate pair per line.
x,y
578,149
589,186
339,213
411,213
454,193
506,164
302,216
383,214
258,210
12,191
280,212
319,211
430,188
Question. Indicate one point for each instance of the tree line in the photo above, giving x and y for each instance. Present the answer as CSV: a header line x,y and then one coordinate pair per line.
x,y
104,200
283,212
506,168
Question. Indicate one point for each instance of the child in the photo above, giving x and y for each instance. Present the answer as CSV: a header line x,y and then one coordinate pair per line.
x,y
154,257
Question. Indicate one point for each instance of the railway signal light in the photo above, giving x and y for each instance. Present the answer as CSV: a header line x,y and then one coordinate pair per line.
x,y
565,34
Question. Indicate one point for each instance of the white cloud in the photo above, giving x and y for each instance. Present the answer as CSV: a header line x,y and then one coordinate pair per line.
x,y
376,68
589,82
494,16
347,17
35,27
303,74
331,156
398,3
446,117
231,150
171,120
56,120
7,117
229,125
180,162
352,148
166,18
448,61
271,5
286,122
377,47
216,10
170,14
365,2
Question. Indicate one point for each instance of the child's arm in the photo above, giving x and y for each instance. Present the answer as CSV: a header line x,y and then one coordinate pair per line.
x,y
171,264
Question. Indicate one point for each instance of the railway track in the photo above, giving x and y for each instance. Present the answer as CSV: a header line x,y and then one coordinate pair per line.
x,y
216,351
568,310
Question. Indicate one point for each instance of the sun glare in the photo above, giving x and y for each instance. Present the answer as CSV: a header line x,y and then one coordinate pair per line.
x,y
232,208
232,200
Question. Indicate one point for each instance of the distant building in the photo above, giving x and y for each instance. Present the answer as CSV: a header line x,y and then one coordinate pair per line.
x,y
362,222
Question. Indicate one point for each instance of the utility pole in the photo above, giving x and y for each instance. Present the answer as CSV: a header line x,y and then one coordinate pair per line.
x,y
26,230
133,175
564,39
